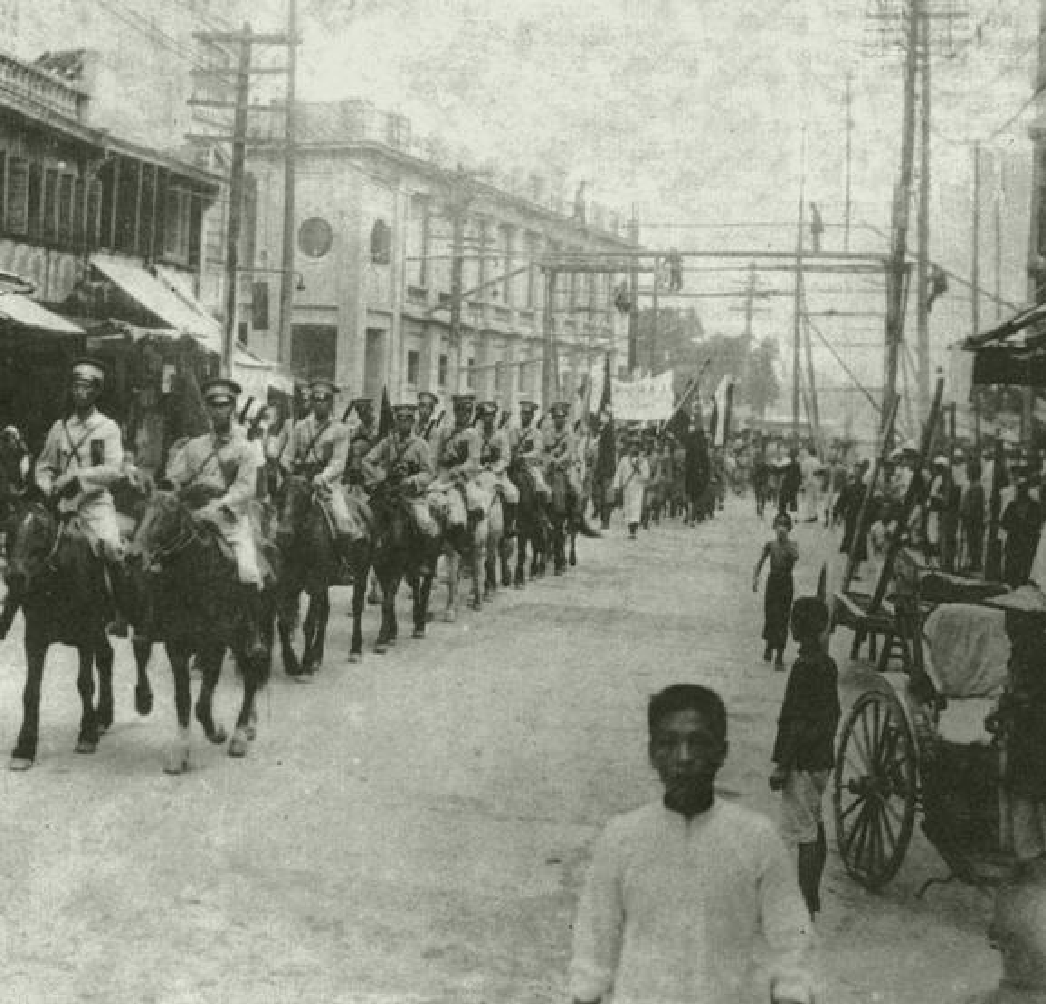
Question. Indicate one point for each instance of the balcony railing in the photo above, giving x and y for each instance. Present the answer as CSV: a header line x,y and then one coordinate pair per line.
x,y
24,84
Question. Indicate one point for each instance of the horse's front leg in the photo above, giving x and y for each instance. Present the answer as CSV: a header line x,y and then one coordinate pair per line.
x,y
24,753
87,740
177,757
210,659
519,580
319,638
310,632
245,730
573,547
103,656
387,632
143,688
453,573
286,618
359,599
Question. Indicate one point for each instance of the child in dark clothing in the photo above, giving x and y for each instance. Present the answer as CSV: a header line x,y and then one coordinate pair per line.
x,y
804,750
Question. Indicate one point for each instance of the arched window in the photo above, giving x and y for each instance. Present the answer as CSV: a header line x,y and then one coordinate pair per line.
x,y
380,243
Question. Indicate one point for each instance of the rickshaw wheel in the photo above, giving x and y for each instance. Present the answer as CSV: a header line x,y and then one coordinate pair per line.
x,y
876,784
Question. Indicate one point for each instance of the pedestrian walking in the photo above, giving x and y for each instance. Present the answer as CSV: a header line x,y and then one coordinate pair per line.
x,y
804,749
630,481
971,514
782,553
678,890
1022,522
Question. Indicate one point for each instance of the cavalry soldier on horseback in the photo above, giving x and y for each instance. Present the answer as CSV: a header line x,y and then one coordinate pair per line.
x,y
402,461
429,423
495,454
528,448
318,449
81,461
216,475
560,447
363,435
458,463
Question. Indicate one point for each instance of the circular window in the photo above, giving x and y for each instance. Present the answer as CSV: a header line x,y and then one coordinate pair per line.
x,y
315,237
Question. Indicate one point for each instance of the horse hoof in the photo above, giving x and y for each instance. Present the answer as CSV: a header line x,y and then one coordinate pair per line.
x,y
86,746
573,559
143,701
20,763
355,657
477,604
419,632
304,678
450,616
250,732
176,760
238,744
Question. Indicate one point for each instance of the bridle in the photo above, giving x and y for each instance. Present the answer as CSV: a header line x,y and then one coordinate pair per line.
x,y
185,538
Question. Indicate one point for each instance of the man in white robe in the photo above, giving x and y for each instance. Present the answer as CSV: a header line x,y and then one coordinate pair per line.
x,y
630,480
679,891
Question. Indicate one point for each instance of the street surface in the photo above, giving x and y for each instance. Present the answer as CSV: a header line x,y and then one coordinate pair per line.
x,y
415,828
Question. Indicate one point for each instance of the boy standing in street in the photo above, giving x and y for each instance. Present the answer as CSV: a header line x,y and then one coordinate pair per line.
x,y
804,750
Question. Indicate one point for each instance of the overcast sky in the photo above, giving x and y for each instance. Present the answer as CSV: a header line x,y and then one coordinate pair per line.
x,y
694,111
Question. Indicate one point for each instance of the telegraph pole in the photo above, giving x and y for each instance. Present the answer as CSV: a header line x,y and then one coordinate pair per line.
x,y
245,41
849,154
239,153
923,257
797,308
897,271
633,297
653,319
550,369
289,189
975,280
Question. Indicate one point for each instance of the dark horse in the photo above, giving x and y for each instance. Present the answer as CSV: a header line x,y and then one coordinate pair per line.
x,y
198,608
55,577
401,552
564,517
531,525
310,564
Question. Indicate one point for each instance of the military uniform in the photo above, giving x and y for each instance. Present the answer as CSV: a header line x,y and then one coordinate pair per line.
x,y
409,455
224,467
528,448
457,464
494,456
92,450
560,448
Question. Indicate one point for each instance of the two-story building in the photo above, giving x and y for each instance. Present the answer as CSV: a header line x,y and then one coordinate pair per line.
x,y
381,220
104,231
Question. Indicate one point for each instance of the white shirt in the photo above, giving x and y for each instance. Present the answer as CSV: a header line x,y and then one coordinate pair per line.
x,y
672,910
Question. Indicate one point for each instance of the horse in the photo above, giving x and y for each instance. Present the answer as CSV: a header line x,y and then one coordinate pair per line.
x,y
401,552
306,541
478,543
59,582
563,517
198,609
531,525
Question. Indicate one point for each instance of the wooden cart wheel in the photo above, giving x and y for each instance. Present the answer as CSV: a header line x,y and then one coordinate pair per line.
x,y
875,789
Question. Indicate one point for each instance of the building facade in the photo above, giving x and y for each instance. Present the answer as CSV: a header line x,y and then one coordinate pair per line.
x,y
381,220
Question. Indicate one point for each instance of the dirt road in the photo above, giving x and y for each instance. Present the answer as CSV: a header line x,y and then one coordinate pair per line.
x,y
415,828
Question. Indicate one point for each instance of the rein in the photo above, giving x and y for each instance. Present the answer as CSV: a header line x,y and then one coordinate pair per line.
x,y
187,536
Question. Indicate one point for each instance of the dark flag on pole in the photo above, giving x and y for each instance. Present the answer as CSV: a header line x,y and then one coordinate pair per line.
x,y
386,421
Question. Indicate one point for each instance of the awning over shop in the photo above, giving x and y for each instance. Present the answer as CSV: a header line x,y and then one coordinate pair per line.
x,y
172,306
256,375
29,314
1013,352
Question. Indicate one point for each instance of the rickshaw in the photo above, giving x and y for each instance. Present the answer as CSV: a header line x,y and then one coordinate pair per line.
x,y
939,737
935,739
